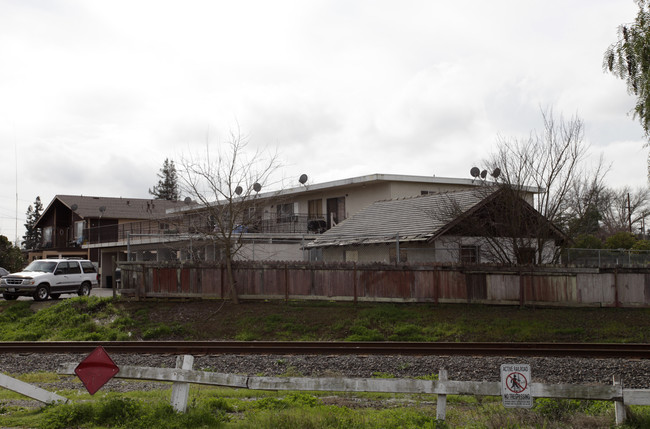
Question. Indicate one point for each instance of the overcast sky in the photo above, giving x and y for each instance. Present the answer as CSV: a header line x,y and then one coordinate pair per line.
x,y
94,95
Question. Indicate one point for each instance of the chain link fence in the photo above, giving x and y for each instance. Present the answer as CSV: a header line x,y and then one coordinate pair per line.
x,y
606,257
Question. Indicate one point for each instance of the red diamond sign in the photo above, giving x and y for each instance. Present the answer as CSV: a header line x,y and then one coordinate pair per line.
x,y
96,370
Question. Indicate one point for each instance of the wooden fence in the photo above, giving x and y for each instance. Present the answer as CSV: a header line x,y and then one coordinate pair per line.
x,y
552,286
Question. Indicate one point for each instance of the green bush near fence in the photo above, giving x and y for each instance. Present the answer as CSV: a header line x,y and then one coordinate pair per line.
x,y
235,408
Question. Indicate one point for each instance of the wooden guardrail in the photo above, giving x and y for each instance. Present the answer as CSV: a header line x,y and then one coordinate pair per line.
x,y
183,375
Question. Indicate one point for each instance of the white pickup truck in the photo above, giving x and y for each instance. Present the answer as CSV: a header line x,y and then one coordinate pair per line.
x,y
50,277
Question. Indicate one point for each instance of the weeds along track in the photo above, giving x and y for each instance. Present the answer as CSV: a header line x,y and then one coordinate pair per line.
x,y
584,350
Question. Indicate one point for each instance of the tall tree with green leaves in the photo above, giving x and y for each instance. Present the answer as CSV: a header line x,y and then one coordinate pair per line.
x,y
629,59
167,187
32,237
11,258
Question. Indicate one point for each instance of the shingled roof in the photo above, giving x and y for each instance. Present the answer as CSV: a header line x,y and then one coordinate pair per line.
x,y
414,219
115,208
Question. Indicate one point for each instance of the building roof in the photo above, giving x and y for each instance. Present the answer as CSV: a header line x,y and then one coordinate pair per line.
x,y
314,188
113,208
414,219
426,217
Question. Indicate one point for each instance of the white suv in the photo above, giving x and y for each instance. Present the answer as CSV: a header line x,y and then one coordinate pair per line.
x,y
50,277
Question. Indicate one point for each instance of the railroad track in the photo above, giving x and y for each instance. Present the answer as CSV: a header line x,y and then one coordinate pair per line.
x,y
599,350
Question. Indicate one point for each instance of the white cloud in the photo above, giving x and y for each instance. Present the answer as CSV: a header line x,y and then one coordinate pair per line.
x,y
95,95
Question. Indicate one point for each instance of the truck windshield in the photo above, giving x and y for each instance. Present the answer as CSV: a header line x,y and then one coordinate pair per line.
x,y
42,266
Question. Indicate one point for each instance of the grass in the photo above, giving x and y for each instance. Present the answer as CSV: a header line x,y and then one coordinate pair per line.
x,y
105,319
234,408
79,319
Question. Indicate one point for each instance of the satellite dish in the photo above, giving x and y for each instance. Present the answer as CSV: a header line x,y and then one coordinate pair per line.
x,y
496,173
474,172
303,179
239,190
187,200
74,207
483,174
102,209
257,187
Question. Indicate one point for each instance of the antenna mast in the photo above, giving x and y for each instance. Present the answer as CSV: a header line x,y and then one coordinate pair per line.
x,y
16,160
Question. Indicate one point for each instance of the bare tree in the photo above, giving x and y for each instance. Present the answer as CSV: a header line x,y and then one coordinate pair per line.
x,y
625,210
588,199
224,184
548,162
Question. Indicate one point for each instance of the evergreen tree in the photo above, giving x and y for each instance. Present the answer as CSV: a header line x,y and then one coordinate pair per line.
x,y
11,258
167,187
32,237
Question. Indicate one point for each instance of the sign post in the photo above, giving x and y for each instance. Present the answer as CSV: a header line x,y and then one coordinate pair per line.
x,y
515,386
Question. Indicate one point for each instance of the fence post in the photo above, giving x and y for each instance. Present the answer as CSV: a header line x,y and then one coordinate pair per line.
x,y
441,405
286,283
181,390
397,248
619,406
354,282
140,289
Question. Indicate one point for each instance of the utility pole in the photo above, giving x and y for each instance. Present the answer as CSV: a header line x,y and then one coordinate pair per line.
x,y
629,213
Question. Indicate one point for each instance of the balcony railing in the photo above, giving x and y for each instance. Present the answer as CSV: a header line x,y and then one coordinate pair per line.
x,y
286,224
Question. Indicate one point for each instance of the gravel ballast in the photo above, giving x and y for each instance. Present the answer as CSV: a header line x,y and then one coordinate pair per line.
x,y
635,373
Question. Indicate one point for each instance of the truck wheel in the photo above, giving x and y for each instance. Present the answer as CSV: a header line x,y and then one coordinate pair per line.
x,y
84,290
9,297
41,293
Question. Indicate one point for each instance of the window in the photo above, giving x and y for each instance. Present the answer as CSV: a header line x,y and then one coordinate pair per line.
x,y
78,229
74,268
62,268
47,236
315,209
78,232
469,254
351,256
252,218
285,212
88,267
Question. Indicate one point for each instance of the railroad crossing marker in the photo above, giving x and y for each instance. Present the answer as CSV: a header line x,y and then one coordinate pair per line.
x,y
515,386
96,370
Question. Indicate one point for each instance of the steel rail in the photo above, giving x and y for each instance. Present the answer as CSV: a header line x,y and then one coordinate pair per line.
x,y
593,350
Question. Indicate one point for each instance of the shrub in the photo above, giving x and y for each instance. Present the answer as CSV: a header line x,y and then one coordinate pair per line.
x,y
67,415
642,245
620,240
587,241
